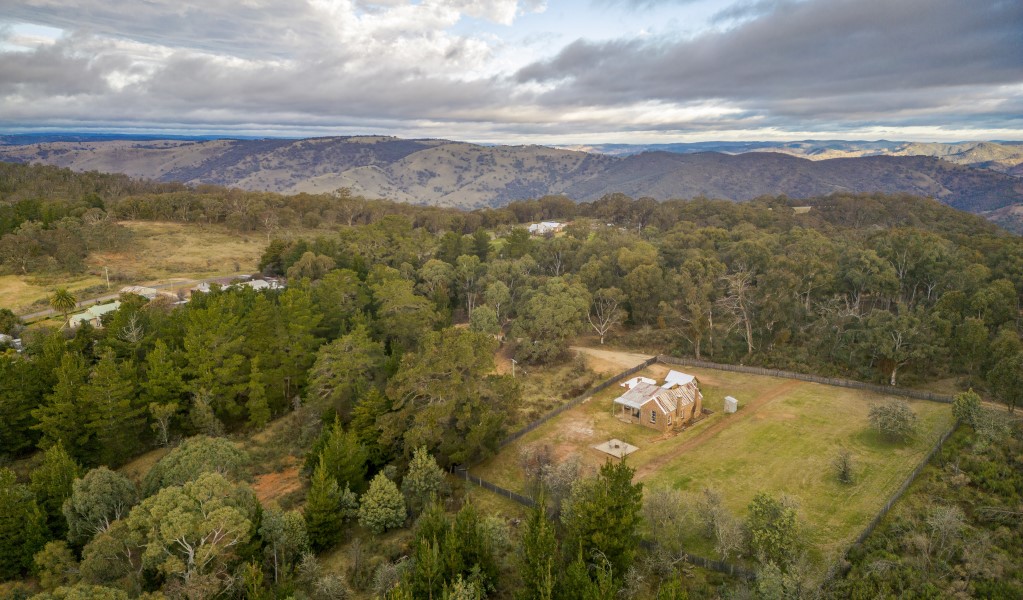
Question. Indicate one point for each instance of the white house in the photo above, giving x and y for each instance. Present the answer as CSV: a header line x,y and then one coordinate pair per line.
x,y
546,227
92,316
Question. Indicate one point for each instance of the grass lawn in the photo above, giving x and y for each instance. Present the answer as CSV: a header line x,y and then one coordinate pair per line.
x,y
782,441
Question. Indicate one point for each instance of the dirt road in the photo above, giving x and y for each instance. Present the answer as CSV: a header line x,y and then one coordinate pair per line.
x,y
182,283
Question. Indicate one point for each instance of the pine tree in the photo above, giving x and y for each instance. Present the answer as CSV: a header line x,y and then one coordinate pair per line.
x,y
345,458
51,484
364,424
213,347
539,552
202,417
16,404
603,515
58,418
22,527
425,479
323,517
162,389
163,382
114,420
299,322
382,506
259,411
263,341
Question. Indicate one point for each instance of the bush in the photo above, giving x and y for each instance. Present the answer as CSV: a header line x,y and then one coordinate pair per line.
x,y
844,466
895,421
966,406
382,506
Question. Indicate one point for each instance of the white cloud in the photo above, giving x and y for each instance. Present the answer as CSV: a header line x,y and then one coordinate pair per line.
x,y
448,68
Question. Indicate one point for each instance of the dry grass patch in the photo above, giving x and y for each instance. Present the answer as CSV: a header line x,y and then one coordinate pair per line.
x,y
161,252
138,467
22,293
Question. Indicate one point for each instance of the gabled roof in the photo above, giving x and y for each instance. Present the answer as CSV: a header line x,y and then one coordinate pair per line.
x,y
636,381
94,312
638,395
668,400
674,378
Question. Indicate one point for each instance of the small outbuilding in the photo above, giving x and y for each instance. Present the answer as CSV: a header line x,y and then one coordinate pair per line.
x,y
731,404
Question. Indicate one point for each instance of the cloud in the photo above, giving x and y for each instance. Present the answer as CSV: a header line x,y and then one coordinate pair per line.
x,y
800,59
415,68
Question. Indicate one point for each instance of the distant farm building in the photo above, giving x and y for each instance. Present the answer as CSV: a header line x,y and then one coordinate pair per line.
x,y
731,404
93,315
672,405
256,284
546,228
146,292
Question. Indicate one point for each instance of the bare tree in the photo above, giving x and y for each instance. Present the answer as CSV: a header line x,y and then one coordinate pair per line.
x,y
738,302
605,311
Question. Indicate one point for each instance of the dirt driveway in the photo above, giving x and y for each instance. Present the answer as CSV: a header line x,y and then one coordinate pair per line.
x,y
602,360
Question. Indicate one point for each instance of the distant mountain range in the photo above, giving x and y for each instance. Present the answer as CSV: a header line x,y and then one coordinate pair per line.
x,y
977,177
1005,157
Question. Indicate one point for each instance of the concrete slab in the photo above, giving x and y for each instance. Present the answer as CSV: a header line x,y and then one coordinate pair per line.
x,y
616,448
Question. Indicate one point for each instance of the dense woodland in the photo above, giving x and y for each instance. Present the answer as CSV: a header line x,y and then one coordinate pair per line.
x,y
380,352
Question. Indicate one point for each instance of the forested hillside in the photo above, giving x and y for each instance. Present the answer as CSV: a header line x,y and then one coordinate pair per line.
x,y
378,358
458,174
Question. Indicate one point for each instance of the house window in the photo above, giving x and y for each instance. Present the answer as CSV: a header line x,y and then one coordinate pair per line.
x,y
653,416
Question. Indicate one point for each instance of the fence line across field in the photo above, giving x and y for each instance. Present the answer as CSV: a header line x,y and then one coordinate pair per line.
x,y
716,565
890,390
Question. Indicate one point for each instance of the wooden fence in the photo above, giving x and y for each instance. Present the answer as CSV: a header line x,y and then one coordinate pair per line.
x,y
575,401
716,565
846,383
843,568
463,472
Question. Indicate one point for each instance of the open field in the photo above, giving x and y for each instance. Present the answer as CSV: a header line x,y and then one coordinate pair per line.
x,y
161,252
782,441
19,292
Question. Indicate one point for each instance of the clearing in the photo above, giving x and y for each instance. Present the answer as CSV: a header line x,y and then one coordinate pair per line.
x,y
161,252
782,441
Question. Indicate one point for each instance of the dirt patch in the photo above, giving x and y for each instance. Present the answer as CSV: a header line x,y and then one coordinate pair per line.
x,y
610,361
278,484
503,359
749,411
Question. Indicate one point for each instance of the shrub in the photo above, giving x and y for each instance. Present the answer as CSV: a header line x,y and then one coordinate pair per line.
x,y
895,421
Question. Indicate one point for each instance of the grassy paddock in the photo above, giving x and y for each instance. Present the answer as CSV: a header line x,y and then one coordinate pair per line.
x,y
161,252
782,441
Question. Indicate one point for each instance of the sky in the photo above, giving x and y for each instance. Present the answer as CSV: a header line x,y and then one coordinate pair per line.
x,y
518,71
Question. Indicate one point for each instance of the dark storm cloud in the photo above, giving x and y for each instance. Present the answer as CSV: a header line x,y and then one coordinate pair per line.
x,y
806,57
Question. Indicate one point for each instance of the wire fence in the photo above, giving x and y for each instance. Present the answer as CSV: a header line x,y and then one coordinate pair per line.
x,y
716,565
523,500
706,563
844,566
846,383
